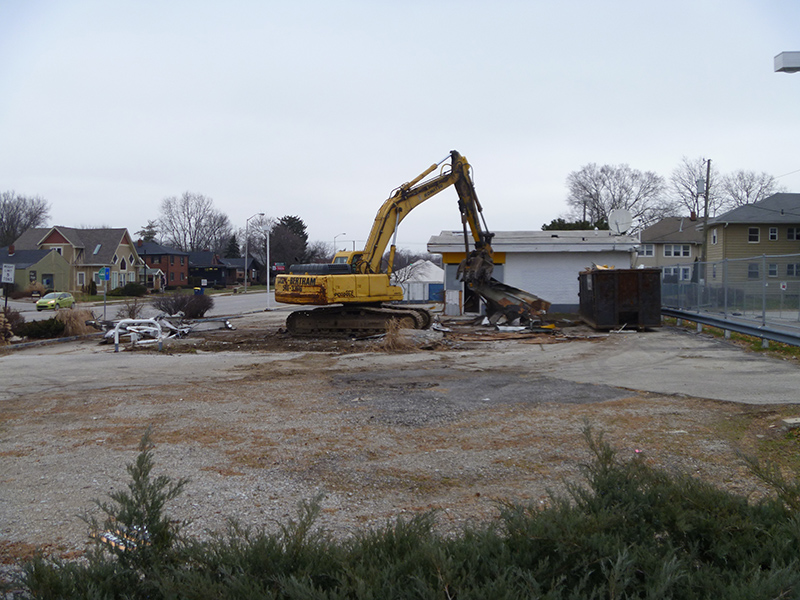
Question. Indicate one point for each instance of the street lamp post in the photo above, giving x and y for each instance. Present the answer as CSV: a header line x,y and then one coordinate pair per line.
x,y
338,235
246,240
269,269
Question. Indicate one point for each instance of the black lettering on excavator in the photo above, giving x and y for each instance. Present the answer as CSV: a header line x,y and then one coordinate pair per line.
x,y
295,281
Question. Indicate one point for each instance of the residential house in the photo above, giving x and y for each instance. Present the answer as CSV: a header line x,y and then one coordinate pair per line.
x,y
167,266
46,267
544,263
89,252
672,245
236,270
207,269
752,241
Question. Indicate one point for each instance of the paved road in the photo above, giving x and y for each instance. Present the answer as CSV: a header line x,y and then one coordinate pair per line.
x,y
224,305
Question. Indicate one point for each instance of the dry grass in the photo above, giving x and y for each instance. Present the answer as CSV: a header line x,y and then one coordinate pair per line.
x,y
75,321
5,329
34,287
394,341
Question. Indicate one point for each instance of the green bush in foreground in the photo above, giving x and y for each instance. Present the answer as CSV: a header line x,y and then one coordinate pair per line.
x,y
42,329
631,531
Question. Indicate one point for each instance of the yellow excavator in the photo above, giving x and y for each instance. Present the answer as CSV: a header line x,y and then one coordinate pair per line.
x,y
354,293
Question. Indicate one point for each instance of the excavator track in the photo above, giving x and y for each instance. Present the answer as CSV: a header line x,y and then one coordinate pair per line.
x,y
357,320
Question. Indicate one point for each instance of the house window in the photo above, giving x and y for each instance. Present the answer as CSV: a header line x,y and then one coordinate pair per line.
x,y
116,258
793,234
122,265
648,250
752,271
156,260
714,235
677,250
753,235
172,276
713,271
182,260
773,234
772,270
59,249
183,276
793,270
81,278
130,258
172,260
678,273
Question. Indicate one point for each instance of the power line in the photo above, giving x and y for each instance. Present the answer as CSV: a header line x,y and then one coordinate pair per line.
x,y
790,173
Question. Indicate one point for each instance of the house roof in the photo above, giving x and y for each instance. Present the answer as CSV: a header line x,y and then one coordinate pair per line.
x,y
151,248
783,208
540,241
204,258
673,229
238,263
22,259
421,270
99,245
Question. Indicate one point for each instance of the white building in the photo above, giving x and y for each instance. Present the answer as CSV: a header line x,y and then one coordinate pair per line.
x,y
544,263
422,281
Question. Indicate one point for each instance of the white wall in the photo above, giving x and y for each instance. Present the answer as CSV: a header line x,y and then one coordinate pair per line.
x,y
553,276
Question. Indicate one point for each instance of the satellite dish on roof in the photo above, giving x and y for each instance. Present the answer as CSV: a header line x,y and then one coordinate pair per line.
x,y
619,220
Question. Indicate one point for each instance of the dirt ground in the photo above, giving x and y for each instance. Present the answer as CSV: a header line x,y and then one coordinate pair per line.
x,y
457,422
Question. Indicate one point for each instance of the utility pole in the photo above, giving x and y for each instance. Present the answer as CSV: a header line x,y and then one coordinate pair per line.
x,y
705,215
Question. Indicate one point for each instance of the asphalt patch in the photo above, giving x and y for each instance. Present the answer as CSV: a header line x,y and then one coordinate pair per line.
x,y
418,397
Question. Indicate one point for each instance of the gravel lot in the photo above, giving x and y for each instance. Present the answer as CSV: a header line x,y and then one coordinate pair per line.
x,y
259,422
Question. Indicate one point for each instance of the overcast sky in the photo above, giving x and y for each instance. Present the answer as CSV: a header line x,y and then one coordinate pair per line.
x,y
320,109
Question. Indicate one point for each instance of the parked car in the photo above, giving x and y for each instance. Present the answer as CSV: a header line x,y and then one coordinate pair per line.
x,y
55,300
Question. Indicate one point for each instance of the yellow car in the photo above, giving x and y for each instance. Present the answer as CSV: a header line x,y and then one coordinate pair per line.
x,y
55,300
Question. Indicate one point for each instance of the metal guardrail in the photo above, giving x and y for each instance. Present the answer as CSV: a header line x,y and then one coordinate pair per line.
x,y
757,296
764,332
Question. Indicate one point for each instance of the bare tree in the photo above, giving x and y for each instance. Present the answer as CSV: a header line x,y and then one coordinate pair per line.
x,y
595,191
746,187
19,213
319,252
191,223
687,188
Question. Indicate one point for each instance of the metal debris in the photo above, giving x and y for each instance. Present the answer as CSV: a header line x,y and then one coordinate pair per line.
x,y
154,330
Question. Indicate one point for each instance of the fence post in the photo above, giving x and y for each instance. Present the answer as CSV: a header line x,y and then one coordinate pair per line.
x,y
725,287
763,290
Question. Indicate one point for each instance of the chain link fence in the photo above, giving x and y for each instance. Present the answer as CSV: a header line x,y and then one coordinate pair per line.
x,y
763,289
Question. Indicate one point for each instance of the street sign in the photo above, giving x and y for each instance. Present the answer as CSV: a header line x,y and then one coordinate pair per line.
x,y
8,273
104,274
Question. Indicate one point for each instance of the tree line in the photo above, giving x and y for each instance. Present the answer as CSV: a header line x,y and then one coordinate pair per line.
x,y
190,222
694,188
